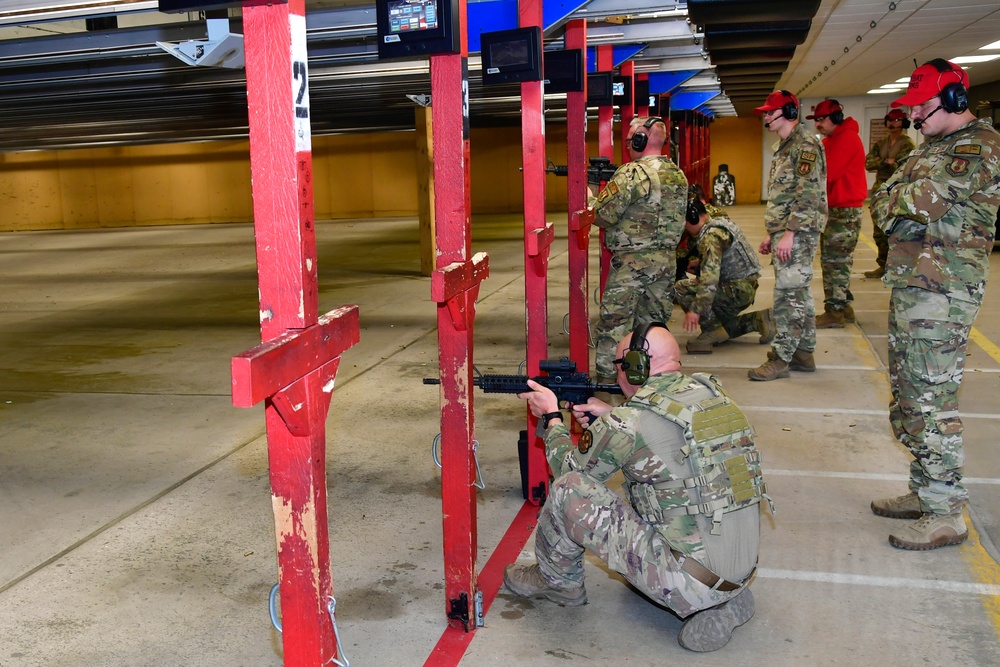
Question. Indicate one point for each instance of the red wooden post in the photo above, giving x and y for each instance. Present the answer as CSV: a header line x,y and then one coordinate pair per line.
x,y
454,288
605,142
538,235
293,370
580,219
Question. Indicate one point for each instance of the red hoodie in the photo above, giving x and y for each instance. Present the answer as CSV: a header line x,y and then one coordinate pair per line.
x,y
846,182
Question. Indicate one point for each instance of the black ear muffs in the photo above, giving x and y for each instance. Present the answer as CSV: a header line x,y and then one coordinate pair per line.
x,y
640,139
789,109
954,96
906,122
837,117
636,359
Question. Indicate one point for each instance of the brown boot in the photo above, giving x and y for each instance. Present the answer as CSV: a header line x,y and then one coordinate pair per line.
x,y
830,319
766,325
802,361
703,344
900,507
849,314
875,273
772,369
931,531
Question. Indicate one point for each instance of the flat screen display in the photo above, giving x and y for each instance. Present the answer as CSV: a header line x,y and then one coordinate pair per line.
x,y
406,15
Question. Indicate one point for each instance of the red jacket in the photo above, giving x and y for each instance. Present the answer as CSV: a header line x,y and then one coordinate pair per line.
x,y
846,182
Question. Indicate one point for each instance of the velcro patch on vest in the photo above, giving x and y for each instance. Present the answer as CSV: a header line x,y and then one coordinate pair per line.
x,y
958,166
586,440
968,149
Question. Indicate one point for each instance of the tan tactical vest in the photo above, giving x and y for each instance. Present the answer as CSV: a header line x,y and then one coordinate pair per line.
x,y
719,449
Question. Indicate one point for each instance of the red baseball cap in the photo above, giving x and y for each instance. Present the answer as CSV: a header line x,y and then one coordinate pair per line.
x,y
895,114
825,108
776,100
927,81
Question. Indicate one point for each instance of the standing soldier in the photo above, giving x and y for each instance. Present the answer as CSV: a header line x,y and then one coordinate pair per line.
x,y
725,286
883,159
938,210
846,188
794,218
642,212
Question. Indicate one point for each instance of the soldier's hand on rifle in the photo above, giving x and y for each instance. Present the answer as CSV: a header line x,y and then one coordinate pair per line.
x,y
585,413
541,400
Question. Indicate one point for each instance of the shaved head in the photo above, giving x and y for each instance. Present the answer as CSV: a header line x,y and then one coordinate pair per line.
x,y
664,355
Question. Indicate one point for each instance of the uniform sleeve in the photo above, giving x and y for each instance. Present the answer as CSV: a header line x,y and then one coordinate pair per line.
x,y
629,184
874,158
711,245
602,449
929,198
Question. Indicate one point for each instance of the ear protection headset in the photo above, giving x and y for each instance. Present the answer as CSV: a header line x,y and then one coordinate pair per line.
x,y
635,362
789,110
954,96
837,117
640,138
906,122
694,210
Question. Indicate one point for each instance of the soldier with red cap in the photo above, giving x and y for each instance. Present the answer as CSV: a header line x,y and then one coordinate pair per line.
x,y
794,218
887,154
939,210
846,189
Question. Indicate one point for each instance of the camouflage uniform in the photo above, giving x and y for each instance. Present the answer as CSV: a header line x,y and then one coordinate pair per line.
x,y
581,513
846,188
642,212
884,149
727,283
796,202
938,210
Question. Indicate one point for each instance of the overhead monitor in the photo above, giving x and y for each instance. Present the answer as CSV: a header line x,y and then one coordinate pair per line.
x,y
642,96
623,90
599,89
415,28
564,71
512,55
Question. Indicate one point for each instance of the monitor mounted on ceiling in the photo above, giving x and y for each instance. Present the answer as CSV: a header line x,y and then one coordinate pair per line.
x,y
416,28
600,89
564,71
511,56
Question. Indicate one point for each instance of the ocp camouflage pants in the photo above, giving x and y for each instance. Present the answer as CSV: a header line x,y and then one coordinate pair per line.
x,y
731,299
836,253
640,288
581,513
928,335
794,310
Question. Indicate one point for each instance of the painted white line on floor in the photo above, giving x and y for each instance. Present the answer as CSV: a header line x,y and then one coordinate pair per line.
x,y
849,411
883,582
875,476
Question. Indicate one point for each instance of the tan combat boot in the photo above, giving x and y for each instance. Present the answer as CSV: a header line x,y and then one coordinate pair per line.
x,y
849,317
703,344
802,361
875,273
830,319
900,507
772,369
766,325
710,630
931,531
527,581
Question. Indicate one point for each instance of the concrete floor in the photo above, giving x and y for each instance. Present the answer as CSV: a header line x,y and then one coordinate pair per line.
x,y
137,528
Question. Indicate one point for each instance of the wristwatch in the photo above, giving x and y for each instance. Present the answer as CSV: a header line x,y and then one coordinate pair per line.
x,y
549,416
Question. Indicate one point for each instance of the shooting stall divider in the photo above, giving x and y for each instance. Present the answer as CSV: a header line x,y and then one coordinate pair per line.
x,y
293,369
605,144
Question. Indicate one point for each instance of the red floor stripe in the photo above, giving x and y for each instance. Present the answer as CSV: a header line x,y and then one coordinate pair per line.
x,y
453,643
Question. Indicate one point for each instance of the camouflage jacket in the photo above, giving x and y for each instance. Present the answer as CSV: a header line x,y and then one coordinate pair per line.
x,y
616,442
796,189
726,255
939,210
642,207
884,149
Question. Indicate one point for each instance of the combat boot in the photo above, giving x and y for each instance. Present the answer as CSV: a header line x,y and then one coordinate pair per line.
x,y
849,317
900,507
931,531
875,273
711,629
772,369
766,325
830,319
703,344
527,582
802,361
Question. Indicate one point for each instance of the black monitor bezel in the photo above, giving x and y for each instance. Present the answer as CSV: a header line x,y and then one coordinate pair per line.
x,y
625,98
414,44
563,71
532,70
596,83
